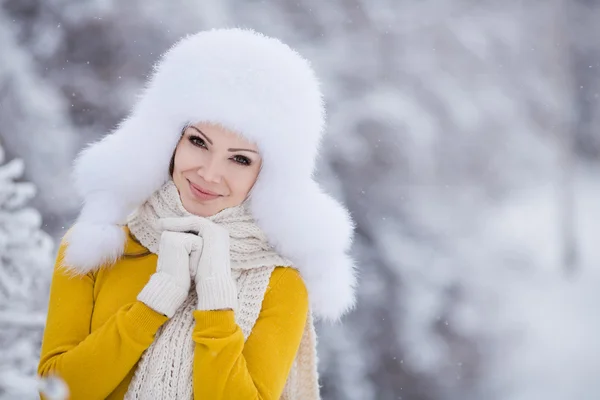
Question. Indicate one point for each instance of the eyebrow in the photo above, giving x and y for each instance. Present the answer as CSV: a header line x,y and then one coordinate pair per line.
x,y
210,141
252,151
202,133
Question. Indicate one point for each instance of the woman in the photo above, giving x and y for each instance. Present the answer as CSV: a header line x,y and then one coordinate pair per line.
x,y
204,247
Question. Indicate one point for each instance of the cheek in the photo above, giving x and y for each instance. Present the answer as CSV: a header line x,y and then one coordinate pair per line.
x,y
185,159
245,181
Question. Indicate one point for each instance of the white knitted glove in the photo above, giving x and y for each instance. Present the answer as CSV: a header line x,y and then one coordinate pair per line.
x,y
169,286
215,287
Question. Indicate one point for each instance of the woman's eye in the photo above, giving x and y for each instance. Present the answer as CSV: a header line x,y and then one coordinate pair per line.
x,y
197,141
243,160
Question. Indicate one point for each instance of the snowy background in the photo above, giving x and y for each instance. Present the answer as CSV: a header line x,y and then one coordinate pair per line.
x,y
464,136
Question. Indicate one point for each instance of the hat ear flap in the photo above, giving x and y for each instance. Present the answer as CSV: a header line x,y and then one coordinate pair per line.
x,y
114,176
315,232
90,246
131,163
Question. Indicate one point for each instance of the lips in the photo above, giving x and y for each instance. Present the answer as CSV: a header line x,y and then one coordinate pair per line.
x,y
202,194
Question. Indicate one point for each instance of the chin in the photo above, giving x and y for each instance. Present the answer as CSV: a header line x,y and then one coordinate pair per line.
x,y
200,209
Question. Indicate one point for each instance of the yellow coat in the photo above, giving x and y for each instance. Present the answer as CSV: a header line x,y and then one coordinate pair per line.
x,y
97,331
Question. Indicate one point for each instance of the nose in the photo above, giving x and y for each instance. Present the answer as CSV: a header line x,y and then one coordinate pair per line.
x,y
210,171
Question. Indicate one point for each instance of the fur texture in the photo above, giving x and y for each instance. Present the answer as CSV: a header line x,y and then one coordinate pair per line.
x,y
265,91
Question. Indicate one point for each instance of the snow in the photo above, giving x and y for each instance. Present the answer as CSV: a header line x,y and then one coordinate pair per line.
x,y
550,315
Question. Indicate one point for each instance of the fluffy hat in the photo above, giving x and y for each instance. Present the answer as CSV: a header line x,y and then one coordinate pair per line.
x,y
268,93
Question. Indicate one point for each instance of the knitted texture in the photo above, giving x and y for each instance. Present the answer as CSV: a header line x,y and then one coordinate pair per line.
x,y
165,369
162,294
249,246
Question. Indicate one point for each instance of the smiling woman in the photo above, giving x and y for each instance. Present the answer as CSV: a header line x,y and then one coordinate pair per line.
x,y
213,168
188,272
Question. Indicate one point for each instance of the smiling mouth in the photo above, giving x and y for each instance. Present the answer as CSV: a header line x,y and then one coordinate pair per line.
x,y
202,194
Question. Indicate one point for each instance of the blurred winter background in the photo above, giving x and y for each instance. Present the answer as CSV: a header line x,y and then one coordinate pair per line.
x,y
464,136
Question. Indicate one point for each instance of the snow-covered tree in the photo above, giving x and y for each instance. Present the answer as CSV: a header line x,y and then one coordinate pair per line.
x,y
26,257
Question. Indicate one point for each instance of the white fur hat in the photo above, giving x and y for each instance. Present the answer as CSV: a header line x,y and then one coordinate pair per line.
x,y
258,87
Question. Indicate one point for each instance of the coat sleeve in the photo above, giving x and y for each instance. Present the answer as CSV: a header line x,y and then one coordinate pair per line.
x,y
92,364
227,368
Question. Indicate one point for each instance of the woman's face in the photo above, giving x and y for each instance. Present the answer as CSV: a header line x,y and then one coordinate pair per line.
x,y
214,169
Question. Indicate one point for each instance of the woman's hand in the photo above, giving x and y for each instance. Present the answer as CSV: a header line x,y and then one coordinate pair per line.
x,y
169,286
214,284
188,226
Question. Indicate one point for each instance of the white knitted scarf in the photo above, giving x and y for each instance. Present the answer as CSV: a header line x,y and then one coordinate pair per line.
x,y
165,369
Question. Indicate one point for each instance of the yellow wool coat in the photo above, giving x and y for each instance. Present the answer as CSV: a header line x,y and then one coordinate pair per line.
x,y
96,332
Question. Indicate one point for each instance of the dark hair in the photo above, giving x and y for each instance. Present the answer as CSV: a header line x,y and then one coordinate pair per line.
x,y
172,162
